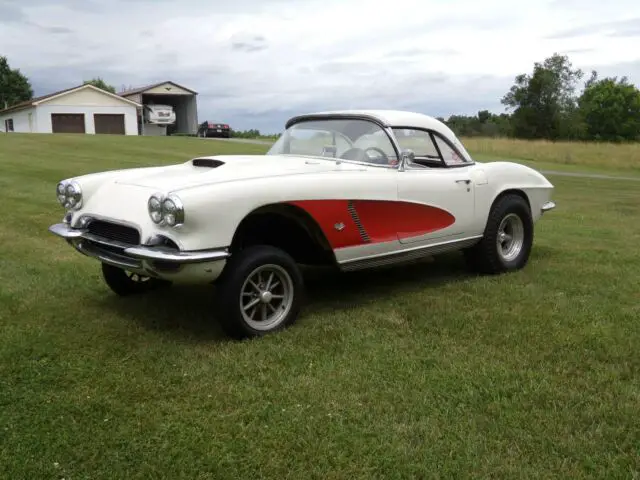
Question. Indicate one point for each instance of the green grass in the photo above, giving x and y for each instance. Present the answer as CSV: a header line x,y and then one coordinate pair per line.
x,y
420,371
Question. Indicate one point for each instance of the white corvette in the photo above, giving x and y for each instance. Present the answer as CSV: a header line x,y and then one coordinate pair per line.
x,y
354,189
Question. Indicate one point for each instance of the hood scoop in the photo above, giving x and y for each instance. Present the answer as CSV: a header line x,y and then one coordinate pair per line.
x,y
206,162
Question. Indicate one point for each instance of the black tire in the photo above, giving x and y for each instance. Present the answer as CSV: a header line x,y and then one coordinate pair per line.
x,y
126,283
235,280
487,256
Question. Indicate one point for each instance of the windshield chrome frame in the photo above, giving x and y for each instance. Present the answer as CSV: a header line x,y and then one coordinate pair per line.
x,y
351,116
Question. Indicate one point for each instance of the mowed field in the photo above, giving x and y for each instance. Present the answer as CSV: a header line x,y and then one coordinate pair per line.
x,y
418,371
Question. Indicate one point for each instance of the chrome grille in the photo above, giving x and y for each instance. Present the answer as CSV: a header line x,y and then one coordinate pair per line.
x,y
114,231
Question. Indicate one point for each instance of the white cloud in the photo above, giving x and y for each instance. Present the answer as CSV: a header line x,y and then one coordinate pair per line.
x,y
276,57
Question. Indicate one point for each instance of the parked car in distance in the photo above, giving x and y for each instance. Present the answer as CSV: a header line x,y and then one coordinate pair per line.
x,y
349,189
214,129
159,114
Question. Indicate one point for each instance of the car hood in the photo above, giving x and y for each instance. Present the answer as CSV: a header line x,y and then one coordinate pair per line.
x,y
227,168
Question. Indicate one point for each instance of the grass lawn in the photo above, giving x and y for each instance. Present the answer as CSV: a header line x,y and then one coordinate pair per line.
x,y
420,371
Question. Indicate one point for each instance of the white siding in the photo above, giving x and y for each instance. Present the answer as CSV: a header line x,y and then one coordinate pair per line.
x,y
87,97
20,118
45,111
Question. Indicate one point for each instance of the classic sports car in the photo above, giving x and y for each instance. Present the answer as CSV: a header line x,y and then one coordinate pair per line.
x,y
353,189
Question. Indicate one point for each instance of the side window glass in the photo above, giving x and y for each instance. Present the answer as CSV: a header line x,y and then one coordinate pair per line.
x,y
417,140
449,155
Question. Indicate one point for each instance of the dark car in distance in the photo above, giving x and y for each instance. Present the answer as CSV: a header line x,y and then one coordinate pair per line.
x,y
213,129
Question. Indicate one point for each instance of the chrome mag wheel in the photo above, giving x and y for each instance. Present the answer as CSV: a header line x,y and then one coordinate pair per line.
x,y
510,239
266,297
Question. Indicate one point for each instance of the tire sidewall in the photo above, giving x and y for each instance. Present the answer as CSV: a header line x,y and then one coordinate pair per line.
x,y
511,204
120,283
233,278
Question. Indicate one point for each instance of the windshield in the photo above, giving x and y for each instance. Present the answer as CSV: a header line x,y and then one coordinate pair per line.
x,y
347,139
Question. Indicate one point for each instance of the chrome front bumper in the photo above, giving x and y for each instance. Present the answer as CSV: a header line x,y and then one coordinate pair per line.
x,y
548,206
157,261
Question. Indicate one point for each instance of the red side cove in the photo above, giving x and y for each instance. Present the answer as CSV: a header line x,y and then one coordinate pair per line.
x,y
348,223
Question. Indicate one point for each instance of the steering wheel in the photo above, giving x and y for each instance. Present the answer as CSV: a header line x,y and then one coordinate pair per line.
x,y
382,156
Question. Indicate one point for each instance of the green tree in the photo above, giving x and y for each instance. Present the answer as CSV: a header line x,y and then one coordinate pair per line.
x,y
610,109
14,86
100,83
544,102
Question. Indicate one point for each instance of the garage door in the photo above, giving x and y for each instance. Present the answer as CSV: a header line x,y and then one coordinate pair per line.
x,y
67,122
109,123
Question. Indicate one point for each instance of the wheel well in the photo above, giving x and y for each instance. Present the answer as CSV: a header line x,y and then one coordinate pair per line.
x,y
512,191
287,227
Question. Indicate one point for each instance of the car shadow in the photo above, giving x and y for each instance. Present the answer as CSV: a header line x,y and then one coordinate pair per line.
x,y
190,311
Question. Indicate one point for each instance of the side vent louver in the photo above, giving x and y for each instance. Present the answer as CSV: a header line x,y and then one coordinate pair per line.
x,y
206,162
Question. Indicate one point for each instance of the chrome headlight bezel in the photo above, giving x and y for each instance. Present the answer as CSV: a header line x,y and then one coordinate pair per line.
x,y
69,194
173,211
166,210
154,208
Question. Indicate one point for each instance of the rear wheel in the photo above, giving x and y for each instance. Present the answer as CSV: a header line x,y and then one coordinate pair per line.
x,y
125,283
508,238
260,292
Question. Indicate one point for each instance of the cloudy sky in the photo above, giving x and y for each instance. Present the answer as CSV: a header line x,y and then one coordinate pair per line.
x,y
257,62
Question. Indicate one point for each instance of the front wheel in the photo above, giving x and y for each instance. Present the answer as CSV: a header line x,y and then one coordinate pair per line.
x,y
260,292
508,238
126,283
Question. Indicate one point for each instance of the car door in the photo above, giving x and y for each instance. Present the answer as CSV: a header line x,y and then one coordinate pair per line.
x,y
436,191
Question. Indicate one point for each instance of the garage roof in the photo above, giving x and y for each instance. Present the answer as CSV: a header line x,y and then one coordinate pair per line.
x,y
44,98
126,93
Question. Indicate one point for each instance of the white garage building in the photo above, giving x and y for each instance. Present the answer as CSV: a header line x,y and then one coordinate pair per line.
x,y
181,99
83,109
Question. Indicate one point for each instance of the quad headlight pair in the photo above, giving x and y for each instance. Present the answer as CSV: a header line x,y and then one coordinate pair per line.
x,y
166,210
69,194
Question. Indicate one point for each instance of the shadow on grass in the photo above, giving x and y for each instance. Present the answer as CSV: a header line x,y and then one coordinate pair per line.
x,y
190,311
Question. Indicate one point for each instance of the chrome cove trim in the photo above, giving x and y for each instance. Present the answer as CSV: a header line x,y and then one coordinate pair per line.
x,y
356,219
408,254
548,206
132,255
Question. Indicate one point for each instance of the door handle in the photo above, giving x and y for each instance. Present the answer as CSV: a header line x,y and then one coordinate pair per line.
x,y
464,181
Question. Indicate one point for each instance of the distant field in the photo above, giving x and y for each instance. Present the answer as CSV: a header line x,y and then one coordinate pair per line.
x,y
603,158
419,371
624,159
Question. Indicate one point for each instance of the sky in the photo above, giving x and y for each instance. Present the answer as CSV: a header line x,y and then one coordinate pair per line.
x,y
255,63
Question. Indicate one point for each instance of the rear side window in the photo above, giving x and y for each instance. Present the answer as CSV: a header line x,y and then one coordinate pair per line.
x,y
449,155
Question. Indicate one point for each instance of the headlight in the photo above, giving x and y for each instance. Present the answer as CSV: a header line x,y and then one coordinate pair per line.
x,y
167,210
173,211
69,194
154,206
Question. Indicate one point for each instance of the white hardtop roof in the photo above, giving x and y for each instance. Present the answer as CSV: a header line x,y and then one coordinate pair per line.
x,y
391,118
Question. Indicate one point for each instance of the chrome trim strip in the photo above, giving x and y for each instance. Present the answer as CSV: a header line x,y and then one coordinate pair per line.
x,y
110,258
399,256
356,219
105,241
548,206
167,255
65,231
133,253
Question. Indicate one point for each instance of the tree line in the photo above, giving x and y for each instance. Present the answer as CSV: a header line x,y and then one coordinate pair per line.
x,y
544,104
